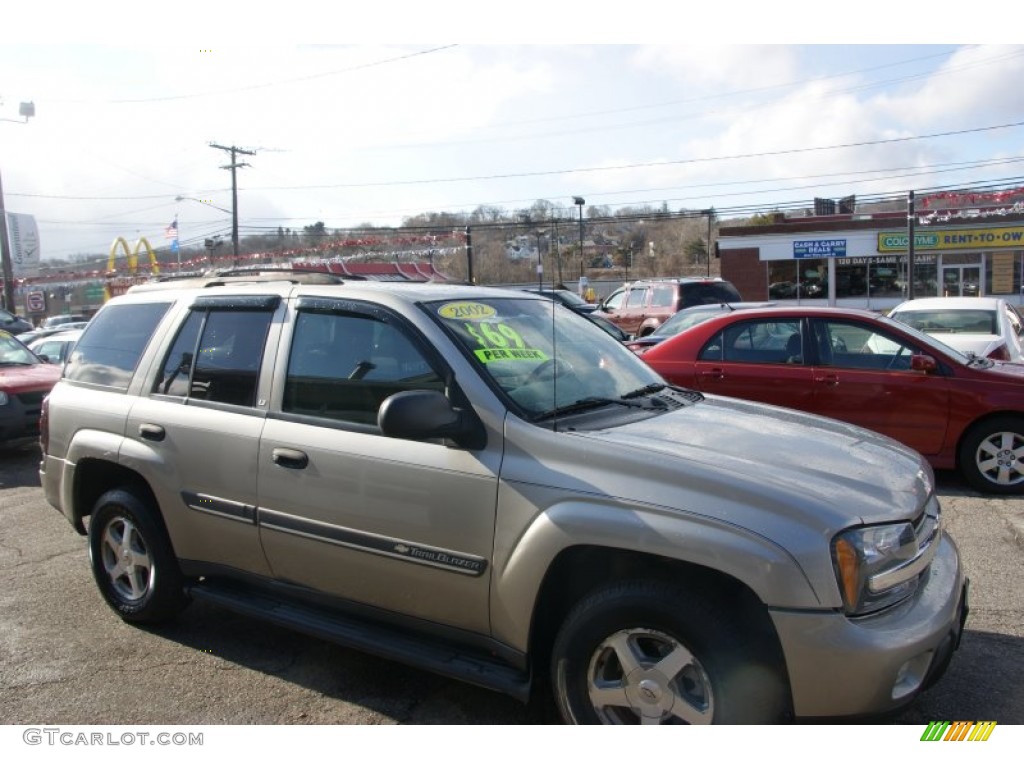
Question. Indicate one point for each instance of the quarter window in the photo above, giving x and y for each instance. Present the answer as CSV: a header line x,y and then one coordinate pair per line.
x,y
110,349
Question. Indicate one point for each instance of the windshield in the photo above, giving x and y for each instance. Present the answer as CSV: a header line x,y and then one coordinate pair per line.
x,y
542,356
975,321
13,352
570,298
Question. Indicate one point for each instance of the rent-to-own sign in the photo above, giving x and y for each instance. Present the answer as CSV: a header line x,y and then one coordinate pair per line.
x,y
818,249
954,239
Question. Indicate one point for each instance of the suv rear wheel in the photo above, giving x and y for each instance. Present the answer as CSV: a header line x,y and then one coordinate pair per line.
x,y
132,560
652,653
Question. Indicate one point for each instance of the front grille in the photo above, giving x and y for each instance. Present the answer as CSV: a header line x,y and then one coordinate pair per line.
x,y
33,399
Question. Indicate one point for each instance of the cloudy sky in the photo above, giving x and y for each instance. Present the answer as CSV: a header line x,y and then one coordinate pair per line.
x,y
496,114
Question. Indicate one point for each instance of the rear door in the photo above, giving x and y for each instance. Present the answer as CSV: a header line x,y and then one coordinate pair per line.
x,y
759,359
200,425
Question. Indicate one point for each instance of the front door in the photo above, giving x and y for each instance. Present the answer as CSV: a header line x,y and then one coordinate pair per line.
x,y
961,280
864,376
402,525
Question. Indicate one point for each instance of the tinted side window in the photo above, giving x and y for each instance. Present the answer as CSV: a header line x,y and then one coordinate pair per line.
x,y
343,366
663,296
614,301
217,356
851,345
112,344
763,341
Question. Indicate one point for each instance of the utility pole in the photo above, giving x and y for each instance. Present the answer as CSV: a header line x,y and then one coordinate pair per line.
x,y
5,255
911,216
235,151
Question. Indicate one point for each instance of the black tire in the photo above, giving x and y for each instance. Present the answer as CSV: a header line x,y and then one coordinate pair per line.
x,y
717,672
132,560
992,456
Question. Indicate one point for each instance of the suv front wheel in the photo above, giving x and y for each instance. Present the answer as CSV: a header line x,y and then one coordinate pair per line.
x,y
132,559
652,653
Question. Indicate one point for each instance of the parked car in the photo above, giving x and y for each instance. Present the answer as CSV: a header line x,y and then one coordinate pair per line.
x,y
447,475
577,305
39,333
25,379
983,326
869,370
56,347
62,320
640,307
564,296
13,324
687,318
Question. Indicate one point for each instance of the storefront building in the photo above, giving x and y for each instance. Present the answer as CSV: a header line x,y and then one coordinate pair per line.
x,y
861,260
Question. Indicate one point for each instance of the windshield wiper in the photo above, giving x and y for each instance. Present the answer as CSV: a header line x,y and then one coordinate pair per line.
x,y
586,404
650,389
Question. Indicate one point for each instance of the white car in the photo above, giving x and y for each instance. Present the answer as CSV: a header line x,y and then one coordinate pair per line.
x,y
983,326
56,347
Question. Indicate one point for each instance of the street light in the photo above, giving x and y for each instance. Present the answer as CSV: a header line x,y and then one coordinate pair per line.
x,y
179,198
580,202
540,261
26,109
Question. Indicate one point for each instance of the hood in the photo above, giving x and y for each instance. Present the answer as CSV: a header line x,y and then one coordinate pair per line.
x,y
1000,372
27,378
749,458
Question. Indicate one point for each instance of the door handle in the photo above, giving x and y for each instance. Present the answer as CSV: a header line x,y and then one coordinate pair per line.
x,y
713,373
153,432
289,458
829,380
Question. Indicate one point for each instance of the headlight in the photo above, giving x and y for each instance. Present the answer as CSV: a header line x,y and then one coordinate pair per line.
x,y
4,399
877,566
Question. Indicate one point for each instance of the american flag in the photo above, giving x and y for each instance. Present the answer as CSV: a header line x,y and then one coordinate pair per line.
x,y
171,230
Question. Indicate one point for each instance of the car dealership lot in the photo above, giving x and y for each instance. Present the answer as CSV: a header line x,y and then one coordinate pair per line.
x,y
65,658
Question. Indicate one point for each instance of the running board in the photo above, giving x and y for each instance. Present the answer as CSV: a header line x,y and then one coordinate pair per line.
x,y
372,638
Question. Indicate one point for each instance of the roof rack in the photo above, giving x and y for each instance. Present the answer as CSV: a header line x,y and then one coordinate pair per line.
x,y
293,274
240,275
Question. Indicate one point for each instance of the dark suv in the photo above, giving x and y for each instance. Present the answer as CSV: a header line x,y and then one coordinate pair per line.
x,y
13,323
639,308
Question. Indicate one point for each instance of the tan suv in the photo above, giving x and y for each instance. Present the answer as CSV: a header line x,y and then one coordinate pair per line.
x,y
639,308
484,484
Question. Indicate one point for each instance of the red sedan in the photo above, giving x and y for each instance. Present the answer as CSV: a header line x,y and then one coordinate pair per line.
x,y
856,366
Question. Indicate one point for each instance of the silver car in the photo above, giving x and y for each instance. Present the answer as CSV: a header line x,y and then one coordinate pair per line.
x,y
483,484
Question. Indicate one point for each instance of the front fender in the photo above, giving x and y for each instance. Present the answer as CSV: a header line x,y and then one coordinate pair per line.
x,y
521,563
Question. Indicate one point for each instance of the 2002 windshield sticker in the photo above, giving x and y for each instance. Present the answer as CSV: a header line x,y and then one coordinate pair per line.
x,y
495,340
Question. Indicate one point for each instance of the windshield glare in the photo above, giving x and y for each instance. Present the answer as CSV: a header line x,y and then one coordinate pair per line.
x,y
541,355
925,338
13,352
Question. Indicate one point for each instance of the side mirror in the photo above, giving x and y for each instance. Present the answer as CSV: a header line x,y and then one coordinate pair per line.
x,y
424,414
923,363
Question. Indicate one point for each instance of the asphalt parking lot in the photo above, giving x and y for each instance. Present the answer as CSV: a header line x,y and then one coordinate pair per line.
x,y
66,659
